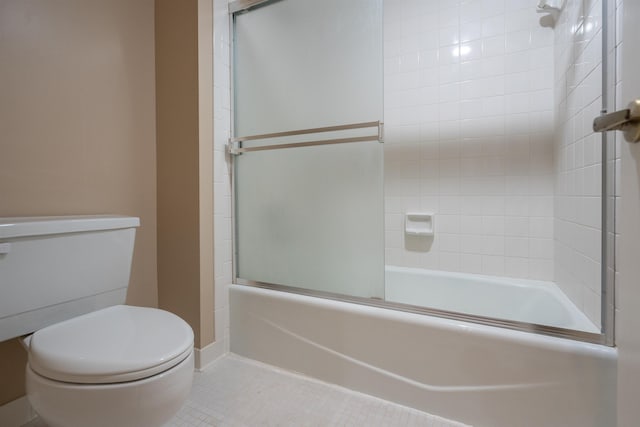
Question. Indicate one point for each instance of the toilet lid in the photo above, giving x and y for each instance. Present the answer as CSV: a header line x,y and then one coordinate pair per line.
x,y
115,344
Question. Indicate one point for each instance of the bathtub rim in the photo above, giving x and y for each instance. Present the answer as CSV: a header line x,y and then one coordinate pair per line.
x,y
532,328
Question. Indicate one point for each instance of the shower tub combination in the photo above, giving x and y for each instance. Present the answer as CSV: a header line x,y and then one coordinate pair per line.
x,y
478,374
308,179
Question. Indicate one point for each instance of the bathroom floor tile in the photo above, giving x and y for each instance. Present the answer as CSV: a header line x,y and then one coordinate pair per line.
x,y
239,392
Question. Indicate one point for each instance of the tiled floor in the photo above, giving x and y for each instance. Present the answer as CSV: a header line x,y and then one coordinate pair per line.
x,y
239,392
243,393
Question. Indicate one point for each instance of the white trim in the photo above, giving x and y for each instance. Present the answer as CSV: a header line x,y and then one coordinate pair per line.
x,y
16,413
207,355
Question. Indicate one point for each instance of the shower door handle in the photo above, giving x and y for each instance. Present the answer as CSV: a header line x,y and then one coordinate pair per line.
x,y
627,120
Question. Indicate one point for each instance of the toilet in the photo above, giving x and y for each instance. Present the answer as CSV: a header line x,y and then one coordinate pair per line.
x,y
92,361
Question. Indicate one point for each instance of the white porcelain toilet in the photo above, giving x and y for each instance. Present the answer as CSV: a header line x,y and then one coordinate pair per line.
x,y
92,361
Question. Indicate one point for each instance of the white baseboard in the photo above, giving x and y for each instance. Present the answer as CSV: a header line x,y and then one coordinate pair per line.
x,y
16,413
207,355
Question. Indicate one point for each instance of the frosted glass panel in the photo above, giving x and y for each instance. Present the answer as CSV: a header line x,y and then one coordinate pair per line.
x,y
310,217
307,63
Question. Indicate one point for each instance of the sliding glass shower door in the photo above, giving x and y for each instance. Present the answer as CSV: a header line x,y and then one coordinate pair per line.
x,y
308,162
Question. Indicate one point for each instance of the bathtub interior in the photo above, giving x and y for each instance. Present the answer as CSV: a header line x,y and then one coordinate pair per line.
x,y
530,301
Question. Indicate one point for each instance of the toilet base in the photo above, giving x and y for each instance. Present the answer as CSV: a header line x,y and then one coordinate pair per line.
x,y
149,402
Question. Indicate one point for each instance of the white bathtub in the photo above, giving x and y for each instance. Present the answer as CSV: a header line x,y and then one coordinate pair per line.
x,y
480,375
529,301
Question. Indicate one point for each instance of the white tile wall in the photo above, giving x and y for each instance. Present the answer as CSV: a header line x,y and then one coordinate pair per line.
x,y
578,165
469,122
222,178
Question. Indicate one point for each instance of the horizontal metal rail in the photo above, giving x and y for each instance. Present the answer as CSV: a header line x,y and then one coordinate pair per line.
x,y
554,331
306,131
304,144
233,149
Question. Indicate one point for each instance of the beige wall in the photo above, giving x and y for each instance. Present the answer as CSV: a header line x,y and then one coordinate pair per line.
x,y
206,297
77,125
184,94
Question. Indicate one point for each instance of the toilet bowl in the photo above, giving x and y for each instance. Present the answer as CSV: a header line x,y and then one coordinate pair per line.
x,y
119,366
92,362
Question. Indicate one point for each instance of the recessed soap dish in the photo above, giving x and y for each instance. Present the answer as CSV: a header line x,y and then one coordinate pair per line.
x,y
418,223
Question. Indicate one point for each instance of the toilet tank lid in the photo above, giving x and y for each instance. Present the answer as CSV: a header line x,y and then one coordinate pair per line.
x,y
45,225
112,345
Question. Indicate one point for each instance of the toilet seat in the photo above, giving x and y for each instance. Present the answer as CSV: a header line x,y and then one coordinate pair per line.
x,y
112,345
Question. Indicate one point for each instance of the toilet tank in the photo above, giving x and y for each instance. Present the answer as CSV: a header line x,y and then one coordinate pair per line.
x,y
56,268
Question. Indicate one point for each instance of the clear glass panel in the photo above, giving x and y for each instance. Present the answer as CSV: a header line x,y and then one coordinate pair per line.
x,y
487,117
310,217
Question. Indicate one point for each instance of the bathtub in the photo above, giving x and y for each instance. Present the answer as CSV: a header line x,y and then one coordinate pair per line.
x,y
473,373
